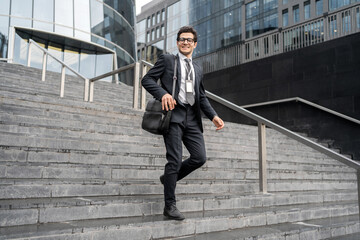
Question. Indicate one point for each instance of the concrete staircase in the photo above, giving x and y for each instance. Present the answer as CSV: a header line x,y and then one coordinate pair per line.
x,y
76,170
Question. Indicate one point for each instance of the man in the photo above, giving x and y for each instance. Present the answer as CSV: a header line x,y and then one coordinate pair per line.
x,y
185,124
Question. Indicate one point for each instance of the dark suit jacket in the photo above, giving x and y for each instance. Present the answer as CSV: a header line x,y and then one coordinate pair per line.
x,y
164,70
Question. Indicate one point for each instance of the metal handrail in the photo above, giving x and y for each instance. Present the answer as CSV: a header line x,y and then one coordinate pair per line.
x,y
89,83
262,123
347,161
140,70
298,99
63,66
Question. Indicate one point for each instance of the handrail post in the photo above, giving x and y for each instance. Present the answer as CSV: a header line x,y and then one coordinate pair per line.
x,y
262,158
43,68
136,86
91,91
29,54
86,90
143,91
62,84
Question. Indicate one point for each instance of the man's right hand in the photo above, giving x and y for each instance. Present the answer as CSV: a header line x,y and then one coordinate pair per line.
x,y
167,102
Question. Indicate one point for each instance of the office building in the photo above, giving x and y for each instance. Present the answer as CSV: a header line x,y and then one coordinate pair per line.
x,y
237,23
91,36
263,54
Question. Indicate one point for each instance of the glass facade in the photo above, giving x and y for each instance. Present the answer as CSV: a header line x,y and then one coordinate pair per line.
x,y
86,34
261,16
227,24
218,23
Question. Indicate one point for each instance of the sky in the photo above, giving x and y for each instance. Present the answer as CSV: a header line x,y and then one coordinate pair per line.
x,y
140,3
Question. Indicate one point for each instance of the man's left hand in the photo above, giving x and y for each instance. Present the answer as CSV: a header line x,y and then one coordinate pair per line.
x,y
218,122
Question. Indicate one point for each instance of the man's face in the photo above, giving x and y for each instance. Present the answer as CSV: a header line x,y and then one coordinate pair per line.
x,y
185,47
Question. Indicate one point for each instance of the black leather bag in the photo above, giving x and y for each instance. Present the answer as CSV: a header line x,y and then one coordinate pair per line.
x,y
155,120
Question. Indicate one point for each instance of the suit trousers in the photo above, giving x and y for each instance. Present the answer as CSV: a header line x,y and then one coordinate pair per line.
x,y
187,131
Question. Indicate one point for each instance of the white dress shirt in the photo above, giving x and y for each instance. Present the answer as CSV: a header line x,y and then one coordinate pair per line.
x,y
182,93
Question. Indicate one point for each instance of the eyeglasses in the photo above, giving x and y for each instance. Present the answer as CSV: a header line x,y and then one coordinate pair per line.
x,y
182,40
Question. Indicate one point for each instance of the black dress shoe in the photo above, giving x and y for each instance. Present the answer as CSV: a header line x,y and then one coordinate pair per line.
x,y
173,213
162,179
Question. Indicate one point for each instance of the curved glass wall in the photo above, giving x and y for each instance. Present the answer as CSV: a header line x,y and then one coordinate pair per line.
x,y
108,23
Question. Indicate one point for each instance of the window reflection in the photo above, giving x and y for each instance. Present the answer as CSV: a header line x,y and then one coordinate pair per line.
x,y
21,49
21,8
64,12
319,7
20,22
37,56
106,65
71,58
5,7
74,18
42,10
307,10
4,28
82,15
87,64
55,50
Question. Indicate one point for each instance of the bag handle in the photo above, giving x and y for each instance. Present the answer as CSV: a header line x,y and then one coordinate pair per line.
x,y
174,77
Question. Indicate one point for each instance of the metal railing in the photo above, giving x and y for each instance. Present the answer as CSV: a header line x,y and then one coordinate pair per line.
x,y
263,123
63,67
298,99
140,68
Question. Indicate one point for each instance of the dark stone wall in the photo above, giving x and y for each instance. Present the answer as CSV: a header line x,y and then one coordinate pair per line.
x,y
327,74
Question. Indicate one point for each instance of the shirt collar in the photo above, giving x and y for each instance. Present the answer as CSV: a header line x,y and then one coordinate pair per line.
x,y
182,57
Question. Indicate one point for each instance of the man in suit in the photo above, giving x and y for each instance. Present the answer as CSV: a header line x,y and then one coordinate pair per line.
x,y
186,105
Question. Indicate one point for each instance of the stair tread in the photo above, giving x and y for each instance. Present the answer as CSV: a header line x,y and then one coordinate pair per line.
x,y
194,218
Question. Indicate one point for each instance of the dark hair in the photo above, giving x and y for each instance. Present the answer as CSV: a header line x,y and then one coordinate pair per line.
x,y
187,29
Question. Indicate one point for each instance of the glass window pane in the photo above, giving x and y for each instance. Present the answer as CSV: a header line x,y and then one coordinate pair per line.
x,y
22,8
71,58
252,9
82,35
285,19
106,65
125,8
64,12
97,17
5,7
67,31
20,50
43,26
319,7
307,10
87,64
82,15
52,64
4,32
43,10
37,56
20,22
296,13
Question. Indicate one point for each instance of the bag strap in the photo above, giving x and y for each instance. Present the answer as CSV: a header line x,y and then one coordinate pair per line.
x,y
174,77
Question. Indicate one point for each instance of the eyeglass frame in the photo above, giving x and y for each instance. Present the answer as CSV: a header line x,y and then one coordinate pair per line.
x,y
189,40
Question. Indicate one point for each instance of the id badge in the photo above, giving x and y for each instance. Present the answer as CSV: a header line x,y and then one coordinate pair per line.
x,y
189,88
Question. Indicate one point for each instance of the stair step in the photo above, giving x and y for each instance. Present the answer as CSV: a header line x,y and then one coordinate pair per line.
x,y
154,227
327,228
71,169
